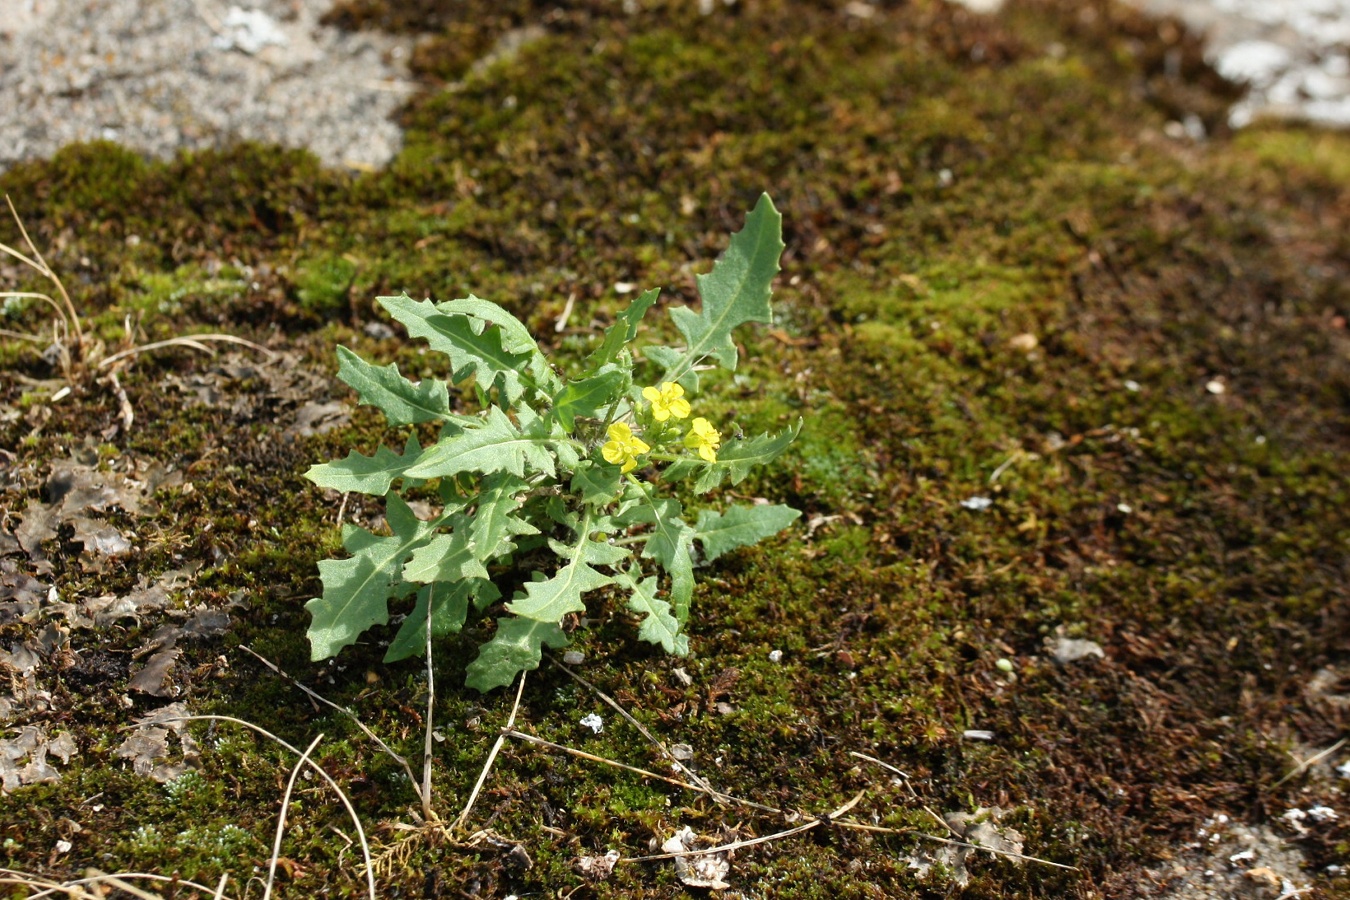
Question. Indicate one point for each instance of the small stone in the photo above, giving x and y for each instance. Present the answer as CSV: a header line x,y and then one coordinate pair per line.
x,y
1215,386
1067,650
574,657
775,656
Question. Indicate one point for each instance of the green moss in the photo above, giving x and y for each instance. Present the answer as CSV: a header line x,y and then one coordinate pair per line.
x,y
622,149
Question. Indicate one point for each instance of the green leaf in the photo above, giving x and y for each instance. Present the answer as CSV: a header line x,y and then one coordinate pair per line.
x,y
495,445
735,292
448,612
596,484
658,625
516,338
553,598
366,474
472,350
444,558
587,396
669,544
592,553
624,329
404,402
740,526
516,647
495,522
356,591
734,460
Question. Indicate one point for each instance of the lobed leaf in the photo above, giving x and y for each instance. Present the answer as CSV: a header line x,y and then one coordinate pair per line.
x,y
740,526
553,598
623,331
372,475
494,445
587,397
734,460
658,625
474,347
735,292
356,591
669,544
404,402
449,609
446,558
516,647
495,522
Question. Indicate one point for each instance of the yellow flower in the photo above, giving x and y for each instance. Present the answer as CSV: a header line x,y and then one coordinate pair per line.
x,y
667,401
623,447
703,438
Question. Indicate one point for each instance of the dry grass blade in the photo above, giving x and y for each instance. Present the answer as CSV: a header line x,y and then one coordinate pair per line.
x,y
737,845
582,754
690,774
346,802
319,698
194,341
492,756
1312,761
38,264
281,818
120,881
428,813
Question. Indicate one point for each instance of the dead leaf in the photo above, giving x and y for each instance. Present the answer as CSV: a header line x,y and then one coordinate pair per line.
x,y
154,679
596,868
20,594
72,492
318,418
147,746
704,870
31,745
980,828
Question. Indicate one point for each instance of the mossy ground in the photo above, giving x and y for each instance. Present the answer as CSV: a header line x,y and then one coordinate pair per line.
x,y
949,183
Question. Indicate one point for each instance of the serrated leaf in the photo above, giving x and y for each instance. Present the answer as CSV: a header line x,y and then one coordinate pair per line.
x,y
669,544
356,591
474,347
516,338
516,647
587,397
494,445
737,291
495,522
593,553
366,474
740,526
624,329
553,598
734,460
449,609
403,402
658,625
596,484
444,558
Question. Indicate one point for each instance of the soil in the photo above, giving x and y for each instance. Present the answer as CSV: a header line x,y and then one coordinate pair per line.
x,y
1071,571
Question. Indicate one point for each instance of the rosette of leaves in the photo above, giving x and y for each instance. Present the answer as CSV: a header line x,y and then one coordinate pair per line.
x,y
525,477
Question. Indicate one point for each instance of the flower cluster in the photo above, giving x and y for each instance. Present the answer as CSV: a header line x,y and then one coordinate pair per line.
x,y
666,405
